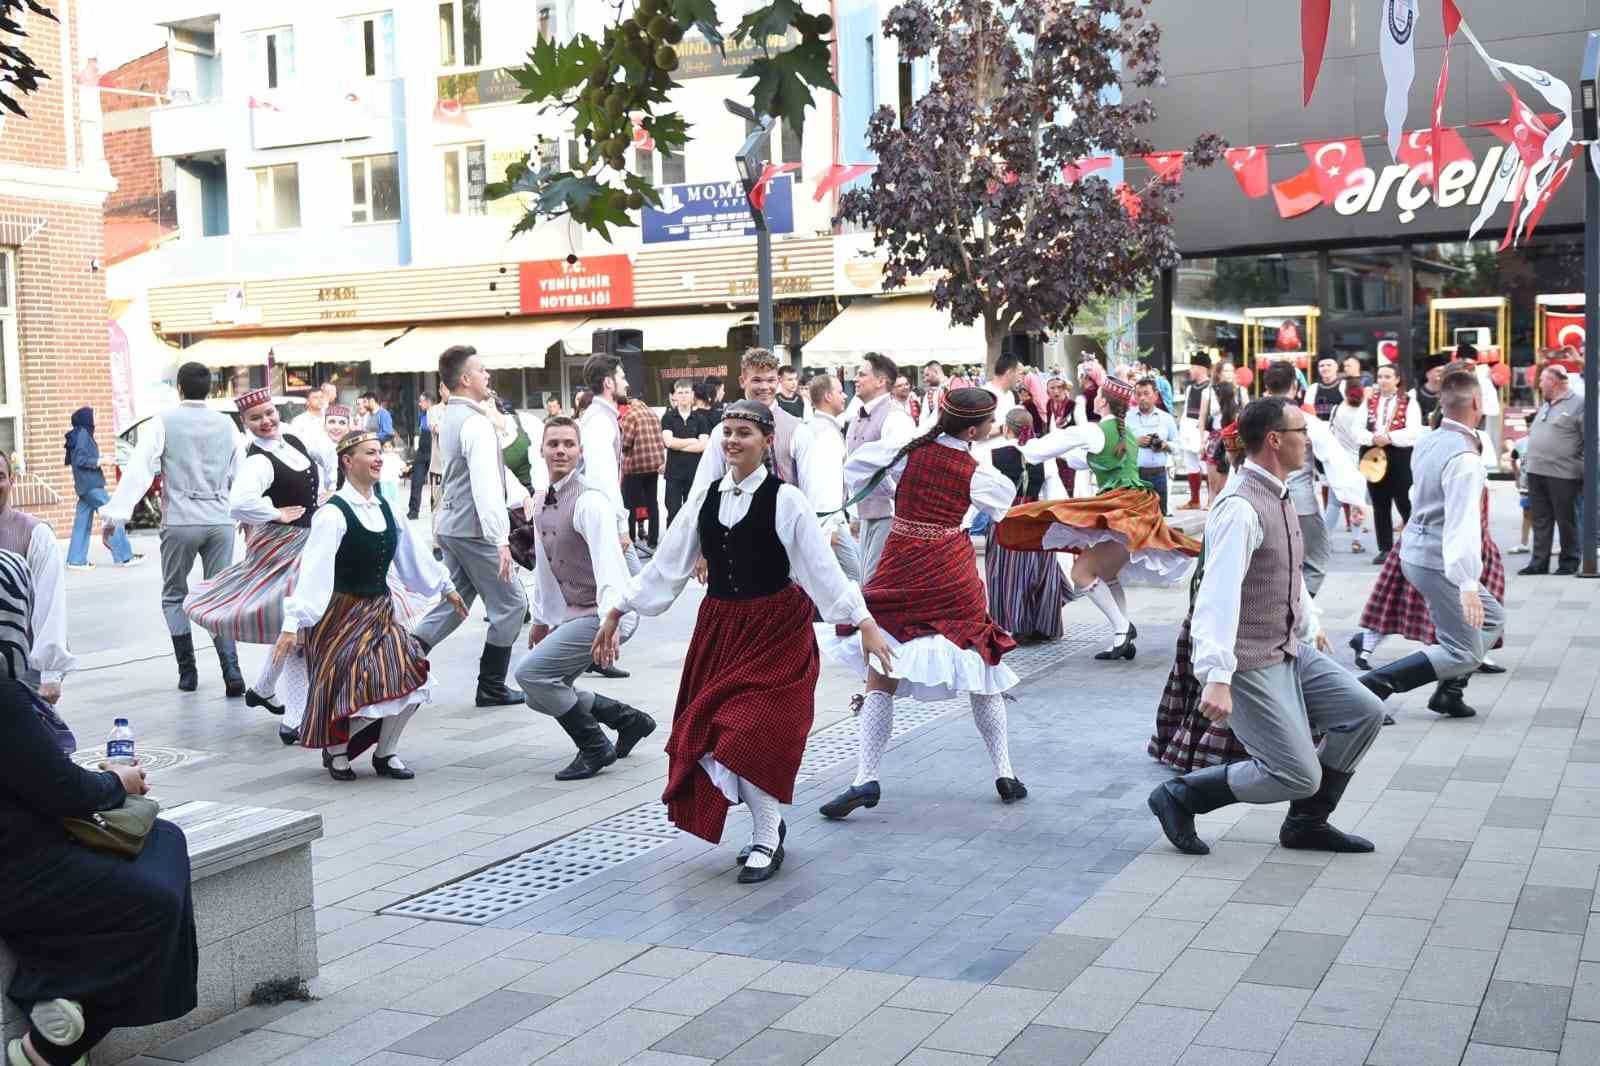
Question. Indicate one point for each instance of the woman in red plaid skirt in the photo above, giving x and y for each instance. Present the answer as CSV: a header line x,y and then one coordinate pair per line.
x,y
927,592
749,681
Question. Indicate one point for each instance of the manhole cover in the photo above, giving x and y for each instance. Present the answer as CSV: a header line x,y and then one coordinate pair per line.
x,y
153,759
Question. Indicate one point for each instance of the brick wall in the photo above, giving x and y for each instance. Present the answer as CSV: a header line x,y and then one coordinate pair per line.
x,y
39,140
137,171
127,138
146,74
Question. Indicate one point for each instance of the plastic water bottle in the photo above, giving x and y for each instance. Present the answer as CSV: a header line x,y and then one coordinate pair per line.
x,y
119,744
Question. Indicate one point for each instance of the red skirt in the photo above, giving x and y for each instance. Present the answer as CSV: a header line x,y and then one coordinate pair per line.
x,y
1396,608
746,699
926,588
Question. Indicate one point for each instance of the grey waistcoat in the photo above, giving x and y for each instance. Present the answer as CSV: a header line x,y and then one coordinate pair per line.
x,y
1269,600
565,550
458,514
195,466
865,431
1423,542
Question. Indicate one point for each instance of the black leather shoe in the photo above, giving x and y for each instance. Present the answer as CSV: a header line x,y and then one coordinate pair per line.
x,y
1359,647
631,724
492,690
1306,826
347,774
1380,558
1449,699
1490,667
1123,649
1176,802
188,675
1534,570
595,752
1402,675
752,876
866,795
1566,571
1010,789
252,698
384,765
232,679
289,737
607,671
744,852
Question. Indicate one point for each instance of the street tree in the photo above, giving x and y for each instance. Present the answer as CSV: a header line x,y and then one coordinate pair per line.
x,y
19,74
972,184
623,81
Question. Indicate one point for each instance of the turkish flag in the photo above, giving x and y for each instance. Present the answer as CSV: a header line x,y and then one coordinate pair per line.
x,y
450,113
1525,130
1249,167
1452,17
1076,172
1562,329
1131,202
840,174
1417,150
1334,163
641,136
1314,18
1556,181
1436,127
1167,165
1298,195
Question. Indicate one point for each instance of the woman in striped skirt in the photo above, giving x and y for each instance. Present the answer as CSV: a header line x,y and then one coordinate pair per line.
x,y
1026,589
366,673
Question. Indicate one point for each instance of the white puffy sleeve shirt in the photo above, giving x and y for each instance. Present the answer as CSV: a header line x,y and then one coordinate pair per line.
x,y
491,482
810,469
811,562
313,591
1344,476
1059,442
1464,482
50,655
992,492
140,472
247,497
596,522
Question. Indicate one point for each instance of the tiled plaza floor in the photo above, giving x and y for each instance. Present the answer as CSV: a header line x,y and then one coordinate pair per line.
x,y
941,928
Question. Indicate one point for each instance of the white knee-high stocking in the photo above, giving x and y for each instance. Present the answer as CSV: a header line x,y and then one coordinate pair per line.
x,y
389,732
875,723
989,714
267,681
1102,597
1115,585
765,816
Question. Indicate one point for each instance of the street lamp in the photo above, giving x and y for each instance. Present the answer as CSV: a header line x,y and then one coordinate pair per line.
x,y
1589,525
750,161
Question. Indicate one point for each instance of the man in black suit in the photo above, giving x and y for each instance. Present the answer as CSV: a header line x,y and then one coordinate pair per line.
x,y
419,465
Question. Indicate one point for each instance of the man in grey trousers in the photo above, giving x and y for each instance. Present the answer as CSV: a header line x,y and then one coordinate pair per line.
x,y
473,526
1253,629
1441,556
577,556
195,450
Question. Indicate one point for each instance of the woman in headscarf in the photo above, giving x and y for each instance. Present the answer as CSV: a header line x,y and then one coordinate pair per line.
x,y
89,482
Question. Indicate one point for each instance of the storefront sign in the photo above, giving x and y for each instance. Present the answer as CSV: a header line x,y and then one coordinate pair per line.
x,y
699,58
1464,181
340,301
481,87
858,268
593,283
716,209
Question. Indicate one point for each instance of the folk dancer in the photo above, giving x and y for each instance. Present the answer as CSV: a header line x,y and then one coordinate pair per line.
x,y
1191,431
310,427
1119,530
1394,425
472,528
1026,589
878,418
828,429
1259,651
1441,556
749,681
366,672
927,595
578,562
195,450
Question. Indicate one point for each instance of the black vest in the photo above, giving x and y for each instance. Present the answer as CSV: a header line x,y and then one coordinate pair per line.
x,y
796,406
1326,399
361,567
748,561
1192,398
1008,460
1427,403
291,488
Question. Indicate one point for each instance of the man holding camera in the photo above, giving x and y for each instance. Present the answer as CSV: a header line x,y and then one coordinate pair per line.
x,y
1157,434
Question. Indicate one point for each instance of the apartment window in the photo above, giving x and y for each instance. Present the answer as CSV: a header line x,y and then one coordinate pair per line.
x,y
644,164
465,174
787,138
673,169
10,359
277,197
375,189
750,128
369,45
460,33
271,56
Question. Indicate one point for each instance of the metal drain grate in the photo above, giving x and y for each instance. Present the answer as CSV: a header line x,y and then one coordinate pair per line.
x,y
153,759
647,819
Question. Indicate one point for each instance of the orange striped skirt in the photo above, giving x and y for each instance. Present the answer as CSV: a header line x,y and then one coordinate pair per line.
x,y
1158,554
357,656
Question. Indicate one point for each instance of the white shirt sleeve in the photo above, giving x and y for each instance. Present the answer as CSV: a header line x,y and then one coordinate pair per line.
x,y
1463,531
713,464
547,605
481,448
600,459
596,523
1169,428
139,474
865,461
313,589
50,655
1414,428
516,492
1233,533
992,492
1344,476
812,563
803,447
416,568
898,428
827,458
1059,442
653,589
247,498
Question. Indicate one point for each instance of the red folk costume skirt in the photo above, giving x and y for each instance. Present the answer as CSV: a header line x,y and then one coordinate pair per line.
x,y
1131,517
358,657
746,700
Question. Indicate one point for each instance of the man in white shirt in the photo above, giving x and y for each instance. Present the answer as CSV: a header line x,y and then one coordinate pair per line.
x,y
578,562
828,455
600,429
309,427
1264,670
879,418
933,386
791,441
472,526
1441,556
1007,369
1157,434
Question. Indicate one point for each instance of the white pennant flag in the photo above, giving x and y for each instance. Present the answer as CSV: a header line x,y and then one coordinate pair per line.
x,y
1396,45
1559,96
1510,167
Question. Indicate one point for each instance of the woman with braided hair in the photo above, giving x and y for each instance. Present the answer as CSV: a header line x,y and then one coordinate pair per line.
x,y
926,594
1119,529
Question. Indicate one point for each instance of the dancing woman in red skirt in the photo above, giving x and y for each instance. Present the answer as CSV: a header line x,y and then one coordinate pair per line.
x,y
749,681
927,593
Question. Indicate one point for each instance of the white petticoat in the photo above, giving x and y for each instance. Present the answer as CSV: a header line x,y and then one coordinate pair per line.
x,y
928,668
294,688
1148,566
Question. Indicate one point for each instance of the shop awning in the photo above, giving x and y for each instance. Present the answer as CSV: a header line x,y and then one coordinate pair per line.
x,y
219,352
505,345
908,330
332,346
667,333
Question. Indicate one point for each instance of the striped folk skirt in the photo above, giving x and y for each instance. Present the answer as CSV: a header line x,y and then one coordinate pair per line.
x,y
1026,591
361,664
245,601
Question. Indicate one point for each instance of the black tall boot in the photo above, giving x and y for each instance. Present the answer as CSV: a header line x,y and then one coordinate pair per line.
x,y
595,752
188,676
1450,699
1176,802
631,724
1402,675
232,679
492,667
1306,825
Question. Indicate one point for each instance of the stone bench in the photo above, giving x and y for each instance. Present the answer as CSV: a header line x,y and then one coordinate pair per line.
x,y
251,869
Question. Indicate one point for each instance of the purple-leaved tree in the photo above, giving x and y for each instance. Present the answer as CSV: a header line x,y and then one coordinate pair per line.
x,y
971,186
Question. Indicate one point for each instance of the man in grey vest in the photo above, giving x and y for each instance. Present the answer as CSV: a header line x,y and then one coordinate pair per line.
x,y
877,418
472,528
1344,477
1253,629
1441,554
577,555
195,450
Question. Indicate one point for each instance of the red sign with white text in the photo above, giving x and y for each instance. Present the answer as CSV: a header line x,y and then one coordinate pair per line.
x,y
593,283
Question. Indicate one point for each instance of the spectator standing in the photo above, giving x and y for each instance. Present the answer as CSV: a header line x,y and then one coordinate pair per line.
x,y
1555,471
933,386
1157,434
379,420
552,407
424,457
906,398
789,397
685,429
310,427
1517,455
644,455
89,482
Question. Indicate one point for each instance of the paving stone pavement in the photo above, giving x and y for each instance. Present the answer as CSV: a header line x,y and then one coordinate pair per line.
x,y
941,928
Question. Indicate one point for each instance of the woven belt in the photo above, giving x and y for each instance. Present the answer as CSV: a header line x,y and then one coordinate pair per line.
x,y
922,530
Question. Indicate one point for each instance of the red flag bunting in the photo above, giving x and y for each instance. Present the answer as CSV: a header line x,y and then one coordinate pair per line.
x,y
1418,148
758,194
1298,195
641,136
1314,18
1168,166
1335,163
1558,180
1452,17
840,174
1249,169
1076,172
258,104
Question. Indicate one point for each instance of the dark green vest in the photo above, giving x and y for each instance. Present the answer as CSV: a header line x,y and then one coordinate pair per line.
x,y
361,568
